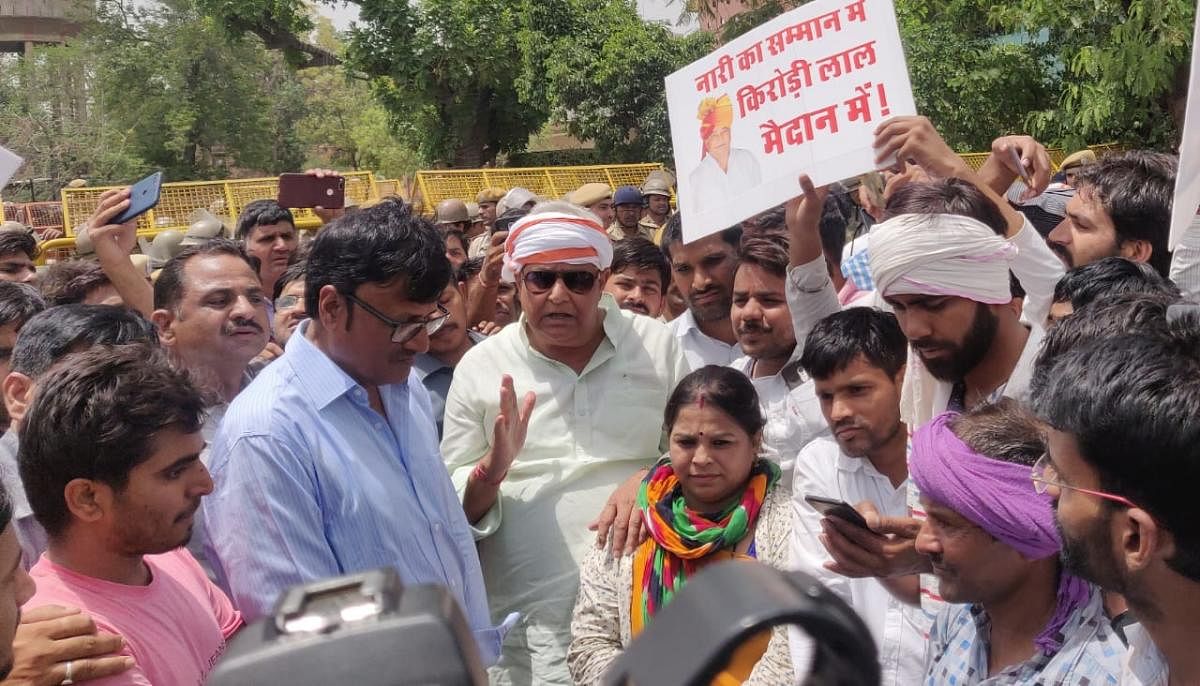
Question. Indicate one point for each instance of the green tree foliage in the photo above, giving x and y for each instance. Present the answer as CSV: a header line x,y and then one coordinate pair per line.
x,y
604,80
1123,67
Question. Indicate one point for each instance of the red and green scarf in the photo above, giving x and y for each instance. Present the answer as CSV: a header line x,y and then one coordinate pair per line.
x,y
681,539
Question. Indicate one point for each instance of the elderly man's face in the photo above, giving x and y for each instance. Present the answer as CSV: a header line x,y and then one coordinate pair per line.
x,y
561,303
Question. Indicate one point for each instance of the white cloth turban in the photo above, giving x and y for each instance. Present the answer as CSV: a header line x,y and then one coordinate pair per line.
x,y
940,254
549,237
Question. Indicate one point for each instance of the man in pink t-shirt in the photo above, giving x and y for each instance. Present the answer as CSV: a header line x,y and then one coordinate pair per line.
x,y
117,493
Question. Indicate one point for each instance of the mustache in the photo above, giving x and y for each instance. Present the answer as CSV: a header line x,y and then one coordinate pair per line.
x,y
1061,250
228,327
754,327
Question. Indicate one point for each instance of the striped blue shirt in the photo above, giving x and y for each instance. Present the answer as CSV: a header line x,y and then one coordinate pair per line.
x,y
311,483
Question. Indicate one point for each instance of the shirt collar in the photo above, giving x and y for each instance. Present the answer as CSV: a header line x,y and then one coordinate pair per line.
x,y
425,364
318,376
687,324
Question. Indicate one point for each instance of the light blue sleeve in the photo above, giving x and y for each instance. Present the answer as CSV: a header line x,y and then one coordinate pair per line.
x,y
265,527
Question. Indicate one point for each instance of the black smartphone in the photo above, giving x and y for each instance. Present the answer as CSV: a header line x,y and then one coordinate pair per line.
x,y
143,196
831,507
306,190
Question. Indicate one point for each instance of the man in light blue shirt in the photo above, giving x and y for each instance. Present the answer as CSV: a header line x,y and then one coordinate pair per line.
x,y
328,462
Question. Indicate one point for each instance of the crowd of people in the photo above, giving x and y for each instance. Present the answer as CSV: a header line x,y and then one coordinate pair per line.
x,y
561,410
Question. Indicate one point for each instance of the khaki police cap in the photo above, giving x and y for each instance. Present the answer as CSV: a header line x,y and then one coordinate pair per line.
x,y
492,194
1081,158
591,193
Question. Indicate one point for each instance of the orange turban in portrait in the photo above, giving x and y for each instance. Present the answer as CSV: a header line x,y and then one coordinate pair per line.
x,y
714,113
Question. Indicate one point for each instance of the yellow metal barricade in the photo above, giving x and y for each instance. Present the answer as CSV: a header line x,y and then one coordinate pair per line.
x,y
437,185
225,199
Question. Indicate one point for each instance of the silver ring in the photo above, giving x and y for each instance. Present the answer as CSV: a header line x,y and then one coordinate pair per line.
x,y
67,680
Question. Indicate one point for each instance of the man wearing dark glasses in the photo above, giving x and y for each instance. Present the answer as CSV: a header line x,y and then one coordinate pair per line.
x,y
328,463
1122,463
545,419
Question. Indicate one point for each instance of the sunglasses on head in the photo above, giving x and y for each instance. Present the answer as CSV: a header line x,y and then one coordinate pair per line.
x,y
575,281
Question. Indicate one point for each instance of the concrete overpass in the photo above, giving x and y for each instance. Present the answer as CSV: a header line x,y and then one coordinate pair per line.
x,y
26,23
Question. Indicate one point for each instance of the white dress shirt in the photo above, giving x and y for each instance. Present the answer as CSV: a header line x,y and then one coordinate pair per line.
x,y
1185,262
899,629
589,432
699,348
1144,663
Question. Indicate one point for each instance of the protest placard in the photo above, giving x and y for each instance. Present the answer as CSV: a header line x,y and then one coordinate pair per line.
x,y
802,93
1187,178
10,162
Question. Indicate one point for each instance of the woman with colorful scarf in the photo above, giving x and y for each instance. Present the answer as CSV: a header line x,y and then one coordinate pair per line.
x,y
711,498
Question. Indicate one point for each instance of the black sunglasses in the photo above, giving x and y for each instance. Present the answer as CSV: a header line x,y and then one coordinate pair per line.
x,y
576,281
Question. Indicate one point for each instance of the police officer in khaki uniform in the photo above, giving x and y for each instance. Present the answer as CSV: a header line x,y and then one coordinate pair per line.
x,y
627,205
596,197
657,194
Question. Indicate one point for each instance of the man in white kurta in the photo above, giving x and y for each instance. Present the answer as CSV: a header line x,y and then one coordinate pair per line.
x,y
597,419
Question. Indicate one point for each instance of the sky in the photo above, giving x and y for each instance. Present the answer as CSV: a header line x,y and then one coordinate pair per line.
x,y
654,10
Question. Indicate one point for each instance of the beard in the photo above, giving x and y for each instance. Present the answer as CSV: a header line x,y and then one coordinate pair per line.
x,y
1088,556
965,356
1063,254
713,311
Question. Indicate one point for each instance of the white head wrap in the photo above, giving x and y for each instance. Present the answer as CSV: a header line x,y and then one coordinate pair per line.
x,y
548,237
940,254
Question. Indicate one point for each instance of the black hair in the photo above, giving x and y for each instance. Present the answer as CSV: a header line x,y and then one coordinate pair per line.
x,y
839,339
726,388
19,302
773,220
946,196
169,288
769,252
102,444
1132,404
376,245
70,282
1004,430
1136,189
640,253
18,241
260,213
469,270
1109,277
296,271
1133,313
51,334
673,233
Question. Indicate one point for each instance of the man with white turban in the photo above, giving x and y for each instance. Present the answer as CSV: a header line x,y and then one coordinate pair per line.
x,y
533,470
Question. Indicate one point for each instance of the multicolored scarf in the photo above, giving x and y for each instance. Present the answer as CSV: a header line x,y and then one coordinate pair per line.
x,y
682,540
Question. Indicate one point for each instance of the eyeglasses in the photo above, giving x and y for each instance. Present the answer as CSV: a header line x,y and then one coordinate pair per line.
x,y
286,302
576,281
1044,476
403,332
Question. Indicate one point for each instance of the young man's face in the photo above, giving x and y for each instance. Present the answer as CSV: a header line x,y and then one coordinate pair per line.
x,y
628,215
703,273
289,311
951,335
1087,234
604,210
18,267
760,315
638,290
453,334
861,404
155,510
273,245
659,205
1085,522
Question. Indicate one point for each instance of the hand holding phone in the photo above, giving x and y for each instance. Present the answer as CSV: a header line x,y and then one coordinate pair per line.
x,y
143,197
832,507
